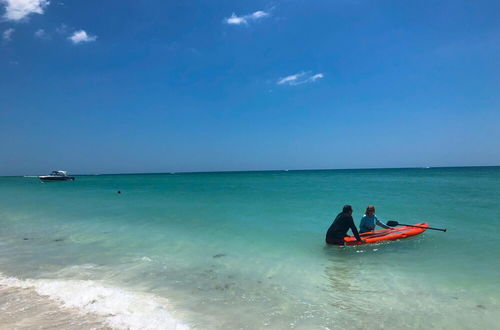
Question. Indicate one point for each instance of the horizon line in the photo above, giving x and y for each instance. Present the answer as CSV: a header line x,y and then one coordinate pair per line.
x,y
267,170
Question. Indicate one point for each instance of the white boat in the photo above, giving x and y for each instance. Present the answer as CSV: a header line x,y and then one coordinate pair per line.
x,y
57,176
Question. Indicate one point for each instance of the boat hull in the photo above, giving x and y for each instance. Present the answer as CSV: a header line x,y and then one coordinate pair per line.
x,y
53,178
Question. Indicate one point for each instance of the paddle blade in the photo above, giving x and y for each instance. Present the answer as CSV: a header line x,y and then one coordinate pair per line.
x,y
392,223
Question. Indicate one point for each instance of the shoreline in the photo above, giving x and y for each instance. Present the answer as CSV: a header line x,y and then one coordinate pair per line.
x,y
80,304
24,308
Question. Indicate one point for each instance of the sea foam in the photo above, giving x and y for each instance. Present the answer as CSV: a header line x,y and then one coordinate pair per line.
x,y
121,309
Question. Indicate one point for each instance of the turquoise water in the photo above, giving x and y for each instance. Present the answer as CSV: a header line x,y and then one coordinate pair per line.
x,y
246,250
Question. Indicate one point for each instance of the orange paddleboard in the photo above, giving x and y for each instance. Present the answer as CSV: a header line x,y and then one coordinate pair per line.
x,y
387,234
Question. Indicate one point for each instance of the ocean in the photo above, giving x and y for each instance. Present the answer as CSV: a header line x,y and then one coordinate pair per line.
x,y
246,250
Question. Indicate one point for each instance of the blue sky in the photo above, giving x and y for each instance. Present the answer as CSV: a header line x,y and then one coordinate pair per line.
x,y
161,86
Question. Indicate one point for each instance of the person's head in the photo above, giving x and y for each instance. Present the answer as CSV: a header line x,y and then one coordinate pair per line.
x,y
347,209
370,210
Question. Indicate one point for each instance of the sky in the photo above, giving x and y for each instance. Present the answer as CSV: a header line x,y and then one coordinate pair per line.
x,y
168,86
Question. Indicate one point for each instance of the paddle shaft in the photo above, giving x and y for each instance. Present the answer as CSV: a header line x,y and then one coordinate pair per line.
x,y
402,224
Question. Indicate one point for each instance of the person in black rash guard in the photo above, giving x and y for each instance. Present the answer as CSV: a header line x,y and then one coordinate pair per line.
x,y
342,223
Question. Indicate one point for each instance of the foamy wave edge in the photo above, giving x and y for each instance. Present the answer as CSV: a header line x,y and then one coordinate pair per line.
x,y
120,308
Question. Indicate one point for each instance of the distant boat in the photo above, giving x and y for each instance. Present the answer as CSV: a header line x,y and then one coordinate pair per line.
x,y
57,176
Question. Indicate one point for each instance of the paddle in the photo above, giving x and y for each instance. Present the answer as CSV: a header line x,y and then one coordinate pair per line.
x,y
393,223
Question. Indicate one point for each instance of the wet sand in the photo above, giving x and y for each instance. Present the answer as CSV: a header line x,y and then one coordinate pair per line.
x,y
26,309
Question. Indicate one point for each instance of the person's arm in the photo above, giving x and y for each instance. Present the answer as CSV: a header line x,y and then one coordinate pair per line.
x,y
354,229
383,225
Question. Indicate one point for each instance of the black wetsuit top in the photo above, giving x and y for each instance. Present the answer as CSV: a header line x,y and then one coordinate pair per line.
x,y
342,223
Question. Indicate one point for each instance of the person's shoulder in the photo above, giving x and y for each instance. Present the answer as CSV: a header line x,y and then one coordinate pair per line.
x,y
343,215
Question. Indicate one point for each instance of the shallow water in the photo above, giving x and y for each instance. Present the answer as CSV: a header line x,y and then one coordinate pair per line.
x,y
246,250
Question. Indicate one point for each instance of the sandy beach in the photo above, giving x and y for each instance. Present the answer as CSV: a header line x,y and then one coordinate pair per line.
x,y
24,308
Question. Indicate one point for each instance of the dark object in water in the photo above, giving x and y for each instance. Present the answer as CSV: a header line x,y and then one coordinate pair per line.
x,y
119,192
220,255
59,240
393,223
25,238
222,287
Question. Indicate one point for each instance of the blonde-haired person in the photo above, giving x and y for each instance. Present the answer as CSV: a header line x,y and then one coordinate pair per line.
x,y
370,220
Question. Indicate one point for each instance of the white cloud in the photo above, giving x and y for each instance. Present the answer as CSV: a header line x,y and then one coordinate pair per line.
x,y
235,20
290,79
16,10
7,34
238,20
81,36
40,33
259,14
300,78
316,77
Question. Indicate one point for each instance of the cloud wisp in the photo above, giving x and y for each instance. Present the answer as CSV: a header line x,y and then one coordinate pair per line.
x,y
245,19
81,36
16,10
41,34
300,78
7,34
